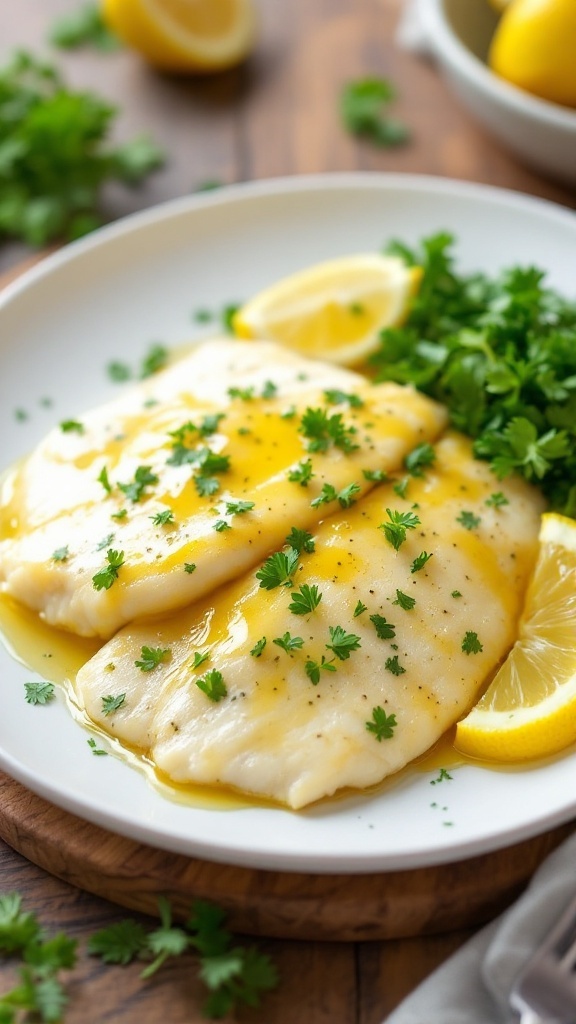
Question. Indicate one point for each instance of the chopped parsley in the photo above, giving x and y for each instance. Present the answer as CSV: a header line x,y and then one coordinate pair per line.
x,y
151,657
336,397
471,643
302,473
104,578
468,520
420,561
384,629
327,494
305,600
143,478
269,390
220,525
343,643
155,359
111,703
321,431
71,427
382,725
360,607
105,542
60,554
189,567
278,569
313,669
199,658
212,684
377,476
393,665
39,693
497,500
289,643
96,750
244,394
399,523
300,540
163,518
102,478
258,647
346,497
456,593
404,601
419,458
237,508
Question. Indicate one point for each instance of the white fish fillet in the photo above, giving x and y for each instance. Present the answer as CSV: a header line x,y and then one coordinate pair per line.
x,y
77,496
279,734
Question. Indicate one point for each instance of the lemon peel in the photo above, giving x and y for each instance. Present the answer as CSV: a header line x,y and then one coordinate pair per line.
x,y
333,310
529,709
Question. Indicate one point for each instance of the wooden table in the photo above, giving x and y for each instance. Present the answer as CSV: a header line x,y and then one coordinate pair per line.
x,y
278,115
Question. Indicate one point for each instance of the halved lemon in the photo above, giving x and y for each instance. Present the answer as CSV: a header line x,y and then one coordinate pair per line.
x,y
534,47
529,710
334,310
185,35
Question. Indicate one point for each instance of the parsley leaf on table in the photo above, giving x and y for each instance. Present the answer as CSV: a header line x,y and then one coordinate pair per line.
x,y
81,27
234,975
364,107
55,154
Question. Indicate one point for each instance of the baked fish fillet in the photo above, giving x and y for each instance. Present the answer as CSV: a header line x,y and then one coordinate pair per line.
x,y
395,651
185,481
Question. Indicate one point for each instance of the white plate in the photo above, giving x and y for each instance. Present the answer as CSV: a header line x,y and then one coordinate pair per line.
x,y
107,297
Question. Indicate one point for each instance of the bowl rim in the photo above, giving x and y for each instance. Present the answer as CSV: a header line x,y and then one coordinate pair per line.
x,y
447,46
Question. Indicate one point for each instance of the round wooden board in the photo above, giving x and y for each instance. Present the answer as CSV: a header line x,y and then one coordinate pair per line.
x,y
346,908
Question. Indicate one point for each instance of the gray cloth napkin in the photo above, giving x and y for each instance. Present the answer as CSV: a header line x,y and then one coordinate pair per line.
x,y
473,986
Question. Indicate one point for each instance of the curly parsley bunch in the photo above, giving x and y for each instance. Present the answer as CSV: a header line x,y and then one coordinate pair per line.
x,y
500,353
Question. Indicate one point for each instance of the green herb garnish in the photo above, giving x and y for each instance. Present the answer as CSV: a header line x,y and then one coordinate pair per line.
x,y
364,107
382,725
151,657
39,693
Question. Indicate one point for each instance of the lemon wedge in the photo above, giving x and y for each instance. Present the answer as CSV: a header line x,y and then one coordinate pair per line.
x,y
334,310
184,35
534,47
529,709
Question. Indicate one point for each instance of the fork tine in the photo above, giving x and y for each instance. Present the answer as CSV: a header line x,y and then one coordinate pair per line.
x,y
547,985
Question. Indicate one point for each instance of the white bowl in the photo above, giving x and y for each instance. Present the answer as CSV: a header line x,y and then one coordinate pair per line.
x,y
543,134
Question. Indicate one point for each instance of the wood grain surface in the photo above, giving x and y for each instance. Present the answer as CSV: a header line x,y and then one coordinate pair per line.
x,y
275,116
341,908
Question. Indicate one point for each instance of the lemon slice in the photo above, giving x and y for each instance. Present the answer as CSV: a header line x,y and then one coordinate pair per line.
x,y
184,35
334,310
529,710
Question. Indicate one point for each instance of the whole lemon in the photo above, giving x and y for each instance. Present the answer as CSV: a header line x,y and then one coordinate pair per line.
x,y
534,47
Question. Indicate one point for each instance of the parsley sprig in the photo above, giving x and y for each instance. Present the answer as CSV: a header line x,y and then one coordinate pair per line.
x,y
234,975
